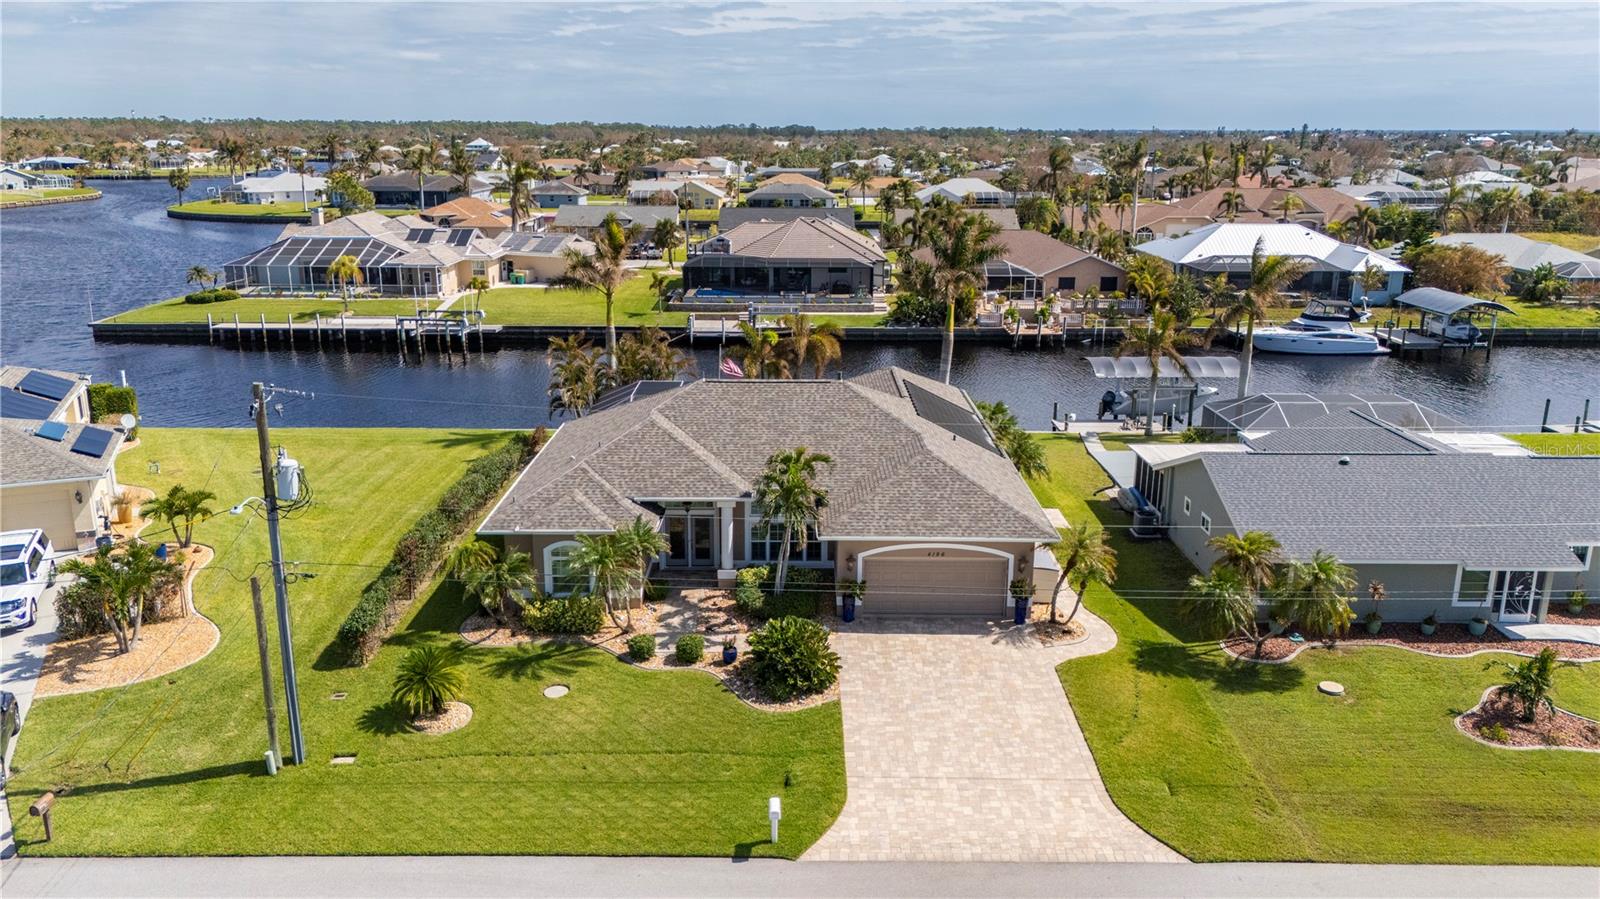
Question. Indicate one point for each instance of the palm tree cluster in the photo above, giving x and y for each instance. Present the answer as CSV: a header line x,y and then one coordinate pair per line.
x,y
788,492
1085,557
181,505
1019,446
806,343
1314,592
1530,682
617,564
603,270
579,372
496,582
121,581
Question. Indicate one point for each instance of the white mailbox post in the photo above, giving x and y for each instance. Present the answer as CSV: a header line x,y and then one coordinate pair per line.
x,y
774,814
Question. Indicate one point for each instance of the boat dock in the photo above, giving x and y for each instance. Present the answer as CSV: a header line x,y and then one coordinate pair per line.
x,y
445,333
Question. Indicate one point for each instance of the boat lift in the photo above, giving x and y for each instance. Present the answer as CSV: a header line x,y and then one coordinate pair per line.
x,y
1175,390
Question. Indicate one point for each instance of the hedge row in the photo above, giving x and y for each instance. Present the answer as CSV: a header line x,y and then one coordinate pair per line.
x,y
106,400
211,295
420,551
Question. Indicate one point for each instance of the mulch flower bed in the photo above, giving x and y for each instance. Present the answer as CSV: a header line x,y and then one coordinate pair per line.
x,y
1055,633
1448,640
1497,719
1558,614
455,716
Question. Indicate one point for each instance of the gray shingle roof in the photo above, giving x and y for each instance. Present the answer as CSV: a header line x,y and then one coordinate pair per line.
x,y
575,216
1478,510
732,217
802,238
894,473
27,459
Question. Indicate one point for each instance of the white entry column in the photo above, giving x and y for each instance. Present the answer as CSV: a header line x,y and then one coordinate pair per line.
x,y
725,536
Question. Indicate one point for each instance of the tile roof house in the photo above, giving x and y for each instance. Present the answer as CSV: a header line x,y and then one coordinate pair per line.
x,y
1225,247
1318,205
803,255
489,218
921,504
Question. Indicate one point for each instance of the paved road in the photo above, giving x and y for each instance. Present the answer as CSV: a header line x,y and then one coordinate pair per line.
x,y
21,658
631,877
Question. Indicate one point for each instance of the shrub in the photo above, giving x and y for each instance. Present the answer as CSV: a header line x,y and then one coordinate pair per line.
x,y
691,649
747,590
802,588
655,591
790,657
429,677
641,647
581,615
108,400
211,295
1495,733
79,607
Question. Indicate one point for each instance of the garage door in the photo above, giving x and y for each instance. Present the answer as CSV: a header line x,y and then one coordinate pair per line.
x,y
970,586
49,509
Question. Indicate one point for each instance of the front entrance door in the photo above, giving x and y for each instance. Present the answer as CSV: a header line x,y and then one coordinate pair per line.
x,y
691,540
1516,594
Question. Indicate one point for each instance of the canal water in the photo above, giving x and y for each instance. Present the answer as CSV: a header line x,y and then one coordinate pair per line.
x,y
61,266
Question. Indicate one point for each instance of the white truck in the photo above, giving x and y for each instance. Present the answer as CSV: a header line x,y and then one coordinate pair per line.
x,y
26,571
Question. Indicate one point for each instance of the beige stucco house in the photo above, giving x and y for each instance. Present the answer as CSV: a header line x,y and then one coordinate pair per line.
x,y
56,471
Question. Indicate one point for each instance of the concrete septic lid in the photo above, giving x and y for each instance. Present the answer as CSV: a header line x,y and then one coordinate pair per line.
x,y
1332,688
555,691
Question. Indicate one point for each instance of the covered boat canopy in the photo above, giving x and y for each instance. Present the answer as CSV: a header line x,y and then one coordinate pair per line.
x,y
1139,367
1445,302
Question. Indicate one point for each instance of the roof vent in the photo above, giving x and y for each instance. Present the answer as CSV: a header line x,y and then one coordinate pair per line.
x,y
1344,460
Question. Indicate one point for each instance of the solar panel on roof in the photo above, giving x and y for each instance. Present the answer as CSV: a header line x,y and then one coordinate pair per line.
x,y
15,404
48,386
958,420
52,430
460,237
92,442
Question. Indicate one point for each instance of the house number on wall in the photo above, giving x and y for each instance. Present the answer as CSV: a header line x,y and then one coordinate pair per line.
x,y
935,554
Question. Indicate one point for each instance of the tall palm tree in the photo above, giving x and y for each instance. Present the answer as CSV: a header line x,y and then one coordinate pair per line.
x,y
1085,558
462,166
345,271
1058,172
303,168
667,236
1451,206
1232,204
1363,224
421,159
1317,594
1289,205
497,584
1160,339
1269,275
787,491
860,176
810,343
603,270
1506,205
520,200
760,357
961,250
1133,166
198,274
1208,163
178,180
577,374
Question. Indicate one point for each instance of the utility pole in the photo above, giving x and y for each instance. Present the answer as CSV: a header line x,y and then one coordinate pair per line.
x,y
266,675
280,589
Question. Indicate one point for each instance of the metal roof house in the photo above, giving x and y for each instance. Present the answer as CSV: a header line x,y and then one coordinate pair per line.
x,y
1522,255
959,190
803,256
1226,248
922,506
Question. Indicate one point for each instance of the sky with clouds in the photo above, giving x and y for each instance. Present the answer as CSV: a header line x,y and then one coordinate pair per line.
x,y
1514,65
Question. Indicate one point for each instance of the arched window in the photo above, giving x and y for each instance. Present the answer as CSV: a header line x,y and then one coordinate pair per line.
x,y
559,577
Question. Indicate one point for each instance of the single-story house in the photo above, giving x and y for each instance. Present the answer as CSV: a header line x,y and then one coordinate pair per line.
x,y
967,192
922,505
1226,247
58,477
1005,218
1390,193
1522,255
1037,264
489,218
401,191
586,220
557,193
802,255
1452,534
1261,413
539,257
787,194
1318,206
17,179
43,394
767,172
562,164
1155,220
54,162
685,191
278,187
733,216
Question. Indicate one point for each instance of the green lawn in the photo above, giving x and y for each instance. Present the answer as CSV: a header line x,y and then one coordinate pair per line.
x,y
1583,243
635,304
250,309
1560,444
631,762
267,212
23,196
1236,761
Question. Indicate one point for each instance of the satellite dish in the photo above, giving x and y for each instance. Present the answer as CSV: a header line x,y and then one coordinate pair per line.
x,y
127,421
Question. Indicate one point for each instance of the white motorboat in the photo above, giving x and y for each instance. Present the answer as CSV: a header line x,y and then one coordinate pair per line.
x,y
1325,328
1171,399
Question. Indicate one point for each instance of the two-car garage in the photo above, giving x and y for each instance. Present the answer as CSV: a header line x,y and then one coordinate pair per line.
x,y
932,579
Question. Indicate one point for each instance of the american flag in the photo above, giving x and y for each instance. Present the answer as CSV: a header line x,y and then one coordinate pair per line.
x,y
731,369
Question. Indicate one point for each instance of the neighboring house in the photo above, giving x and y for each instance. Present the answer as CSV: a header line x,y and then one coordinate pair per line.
x,y
278,187
400,190
586,220
672,169
539,257
1522,255
1005,218
790,194
768,172
488,218
922,506
968,192
1052,266
688,192
803,255
1224,247
53,162
17,179
479,145
1155,220
558,193
489,161
1451,534
57,477
565,165
1388,193
406,255
1319,206
43,394
733,216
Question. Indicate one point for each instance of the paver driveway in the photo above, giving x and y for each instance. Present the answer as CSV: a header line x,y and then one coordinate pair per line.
x,y
960,746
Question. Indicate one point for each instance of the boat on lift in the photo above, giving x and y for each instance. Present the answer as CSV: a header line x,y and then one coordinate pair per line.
x,y
1324,328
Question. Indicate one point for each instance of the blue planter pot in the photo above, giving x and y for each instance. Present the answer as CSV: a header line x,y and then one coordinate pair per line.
x,y
729,654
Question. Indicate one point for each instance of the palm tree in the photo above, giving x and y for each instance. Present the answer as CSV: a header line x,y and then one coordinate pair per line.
x,y
1219,604
1268,276
1133,166
667,236
181,505
860,176
462,166
809,343
1208,162
1289,205
577,374
1058,173
1160,339
469,556
642,543
1506,205
121,581
761,357
1317,594
345,271
1530,682
1041,314
198,274
604,270
610,565
787,491
303,168
961,249
1085,558
497,585
1372,279
1252,558
477,284
1363,224
1451,205
178,179
520,201
1232,204
429,677
420,159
